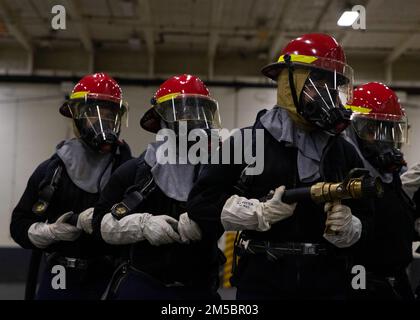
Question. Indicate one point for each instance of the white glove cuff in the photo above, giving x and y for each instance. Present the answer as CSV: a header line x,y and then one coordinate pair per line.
x,y
240,213
349,236
40,235
125,231
84,221
411,180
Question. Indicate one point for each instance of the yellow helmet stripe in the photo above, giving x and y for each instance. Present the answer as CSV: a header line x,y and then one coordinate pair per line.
x,y
79,94
299,58
167,97
358,109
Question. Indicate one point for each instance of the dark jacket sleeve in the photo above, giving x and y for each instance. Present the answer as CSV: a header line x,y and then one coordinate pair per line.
x,y
120,181
416,213
363,209
124,154
22,215
214,186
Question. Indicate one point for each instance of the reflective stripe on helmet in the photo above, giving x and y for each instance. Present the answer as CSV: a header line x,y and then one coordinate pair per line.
x,y
79,94
168,97
358,109
299,58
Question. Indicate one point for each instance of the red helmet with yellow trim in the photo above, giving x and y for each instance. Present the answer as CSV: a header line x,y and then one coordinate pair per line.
x,y
97,108
312,50
328,85
182,98
378,115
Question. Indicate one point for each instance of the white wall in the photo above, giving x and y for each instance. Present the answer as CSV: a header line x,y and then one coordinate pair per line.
x,y
412,149
30,128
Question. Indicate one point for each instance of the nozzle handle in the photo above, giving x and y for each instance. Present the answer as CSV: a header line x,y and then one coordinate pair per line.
x,y
295,195
372,187
328,230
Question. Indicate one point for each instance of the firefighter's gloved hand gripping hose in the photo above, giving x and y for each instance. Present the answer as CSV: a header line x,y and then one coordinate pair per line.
x,y
357,185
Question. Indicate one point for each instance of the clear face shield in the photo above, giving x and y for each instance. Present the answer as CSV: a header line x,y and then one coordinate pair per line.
x,y
198,111
381,137
390,129
98,121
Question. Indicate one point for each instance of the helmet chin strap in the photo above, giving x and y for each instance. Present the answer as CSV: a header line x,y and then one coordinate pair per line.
x,y
290,69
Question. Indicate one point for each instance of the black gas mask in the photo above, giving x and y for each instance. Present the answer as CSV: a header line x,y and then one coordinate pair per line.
x,y
382,156
325,116
103,141
319,101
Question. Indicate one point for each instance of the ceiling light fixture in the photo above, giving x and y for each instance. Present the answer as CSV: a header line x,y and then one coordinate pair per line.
x,y
348,18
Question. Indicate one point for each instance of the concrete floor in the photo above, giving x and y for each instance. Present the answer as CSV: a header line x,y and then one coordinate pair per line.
x,y
227,293
12,291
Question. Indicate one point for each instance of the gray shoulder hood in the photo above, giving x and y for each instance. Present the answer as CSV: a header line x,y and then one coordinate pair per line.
x,y
175,180
310,145
88,170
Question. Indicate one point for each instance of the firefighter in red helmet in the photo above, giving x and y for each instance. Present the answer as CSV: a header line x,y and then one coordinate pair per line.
x,y
97,109
144,206
284,251
379,129
182,98
66,186
380,125
314,82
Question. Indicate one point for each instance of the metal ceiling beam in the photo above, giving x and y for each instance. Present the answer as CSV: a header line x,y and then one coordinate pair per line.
x,y
215,20
388,73
14,26
73,8
325,8
203,30
370,6
145,14
280,37
402,47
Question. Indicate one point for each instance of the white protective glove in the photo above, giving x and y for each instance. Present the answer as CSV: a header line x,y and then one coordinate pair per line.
x,y
84,221
346,228
42,234
240,213
188,229
137,227
411,180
